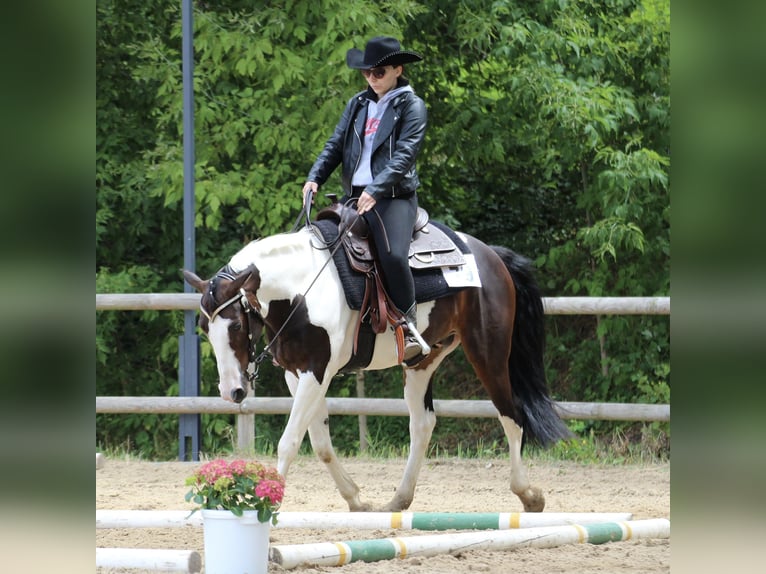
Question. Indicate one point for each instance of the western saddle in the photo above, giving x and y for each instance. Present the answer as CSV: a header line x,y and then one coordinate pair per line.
x,y
430,248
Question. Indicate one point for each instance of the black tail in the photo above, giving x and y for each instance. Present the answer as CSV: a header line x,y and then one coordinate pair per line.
x,y
541,423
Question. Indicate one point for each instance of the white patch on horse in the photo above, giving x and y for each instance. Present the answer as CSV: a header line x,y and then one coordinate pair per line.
x,y
229,373
282,279
530,496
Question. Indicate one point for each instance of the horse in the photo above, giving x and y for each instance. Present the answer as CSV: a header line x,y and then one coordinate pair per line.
x,y
286,285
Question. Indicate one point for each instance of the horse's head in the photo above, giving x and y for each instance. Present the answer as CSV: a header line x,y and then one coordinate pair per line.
x,y
230,316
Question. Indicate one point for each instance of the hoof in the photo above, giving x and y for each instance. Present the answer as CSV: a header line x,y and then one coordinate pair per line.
x,y
361,507
533,500
395,506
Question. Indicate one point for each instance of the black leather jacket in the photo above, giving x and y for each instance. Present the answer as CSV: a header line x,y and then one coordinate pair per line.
x,y
397,143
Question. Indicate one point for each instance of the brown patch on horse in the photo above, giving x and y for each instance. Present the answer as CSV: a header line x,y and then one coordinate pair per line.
x,y
219,289
301,345
486,337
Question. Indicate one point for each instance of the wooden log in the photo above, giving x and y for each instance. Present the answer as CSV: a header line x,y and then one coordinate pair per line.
x,y
371,407
143,301
606,305
551,305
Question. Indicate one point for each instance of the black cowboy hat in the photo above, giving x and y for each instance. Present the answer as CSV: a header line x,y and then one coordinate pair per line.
x,y
380,51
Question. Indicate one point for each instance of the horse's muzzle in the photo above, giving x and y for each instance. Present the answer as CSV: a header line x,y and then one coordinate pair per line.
x,y
238,395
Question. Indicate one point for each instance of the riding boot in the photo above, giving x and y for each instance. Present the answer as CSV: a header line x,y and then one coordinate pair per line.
x,y
414,344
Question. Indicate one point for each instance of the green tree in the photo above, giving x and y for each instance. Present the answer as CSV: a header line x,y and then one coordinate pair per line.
x,y
548,133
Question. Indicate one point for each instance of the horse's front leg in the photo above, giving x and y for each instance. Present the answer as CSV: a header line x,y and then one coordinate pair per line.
x,y
308,396
422,423
321,443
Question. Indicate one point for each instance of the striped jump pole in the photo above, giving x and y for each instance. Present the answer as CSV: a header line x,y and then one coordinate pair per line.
x,y
440,520
149,559
339,553
369,520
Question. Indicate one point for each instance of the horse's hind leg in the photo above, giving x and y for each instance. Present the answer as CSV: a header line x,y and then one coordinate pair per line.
x,y
531,496
321,443
489,359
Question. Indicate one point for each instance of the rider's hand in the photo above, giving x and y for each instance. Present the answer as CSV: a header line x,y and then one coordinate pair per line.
x,y
365,203
309,190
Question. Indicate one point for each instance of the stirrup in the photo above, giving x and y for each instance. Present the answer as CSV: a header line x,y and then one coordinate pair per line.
x,y
411,349
413,339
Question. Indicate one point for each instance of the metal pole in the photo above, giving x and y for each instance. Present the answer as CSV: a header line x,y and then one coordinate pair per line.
x,y
188,360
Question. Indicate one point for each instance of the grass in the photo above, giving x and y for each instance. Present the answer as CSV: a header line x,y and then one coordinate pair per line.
x,y
650,444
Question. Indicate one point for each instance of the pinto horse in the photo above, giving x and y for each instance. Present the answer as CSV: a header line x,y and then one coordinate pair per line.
x,y
286,285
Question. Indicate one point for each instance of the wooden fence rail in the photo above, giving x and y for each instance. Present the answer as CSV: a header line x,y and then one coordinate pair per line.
x,y
371,407
553,305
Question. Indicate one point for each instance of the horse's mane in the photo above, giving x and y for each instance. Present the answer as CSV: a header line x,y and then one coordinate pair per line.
x,y
279,245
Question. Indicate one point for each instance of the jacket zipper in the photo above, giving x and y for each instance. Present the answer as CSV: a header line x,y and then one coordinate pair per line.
x,y
391,156
391,139
358,159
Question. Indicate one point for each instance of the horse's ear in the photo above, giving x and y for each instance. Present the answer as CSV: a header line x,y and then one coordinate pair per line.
x,y
194,281
253,280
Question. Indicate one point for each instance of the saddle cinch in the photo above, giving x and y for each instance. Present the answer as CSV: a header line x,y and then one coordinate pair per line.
x,y
430,248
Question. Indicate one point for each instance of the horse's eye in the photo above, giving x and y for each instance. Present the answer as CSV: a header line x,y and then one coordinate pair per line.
x,y
236,326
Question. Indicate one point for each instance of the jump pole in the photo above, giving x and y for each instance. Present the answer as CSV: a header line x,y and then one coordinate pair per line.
x,y
339,553
150,559
369,520
147,519
440,520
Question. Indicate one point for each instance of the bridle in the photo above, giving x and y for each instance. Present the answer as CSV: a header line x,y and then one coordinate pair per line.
x,y
252,335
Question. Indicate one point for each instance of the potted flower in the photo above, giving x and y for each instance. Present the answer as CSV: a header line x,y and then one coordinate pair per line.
x,y
239,501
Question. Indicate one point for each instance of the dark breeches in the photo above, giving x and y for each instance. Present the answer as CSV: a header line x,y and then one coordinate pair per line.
x,y
397,216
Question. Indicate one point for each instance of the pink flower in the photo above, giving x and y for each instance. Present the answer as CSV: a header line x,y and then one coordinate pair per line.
x,y
271,489
212,471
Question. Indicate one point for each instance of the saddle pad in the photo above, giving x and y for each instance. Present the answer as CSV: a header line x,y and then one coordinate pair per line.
x,y
429,283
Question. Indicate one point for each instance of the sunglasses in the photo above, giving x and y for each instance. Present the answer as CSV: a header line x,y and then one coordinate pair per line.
x,y
377,73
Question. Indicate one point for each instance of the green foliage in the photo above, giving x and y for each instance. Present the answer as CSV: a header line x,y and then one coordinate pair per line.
x,y
548,133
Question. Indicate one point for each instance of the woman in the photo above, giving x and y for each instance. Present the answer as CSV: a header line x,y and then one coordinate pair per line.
x,y
377,141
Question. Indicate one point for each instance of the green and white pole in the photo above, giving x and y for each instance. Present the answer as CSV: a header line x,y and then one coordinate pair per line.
x,y
369,520
442,520
339,553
